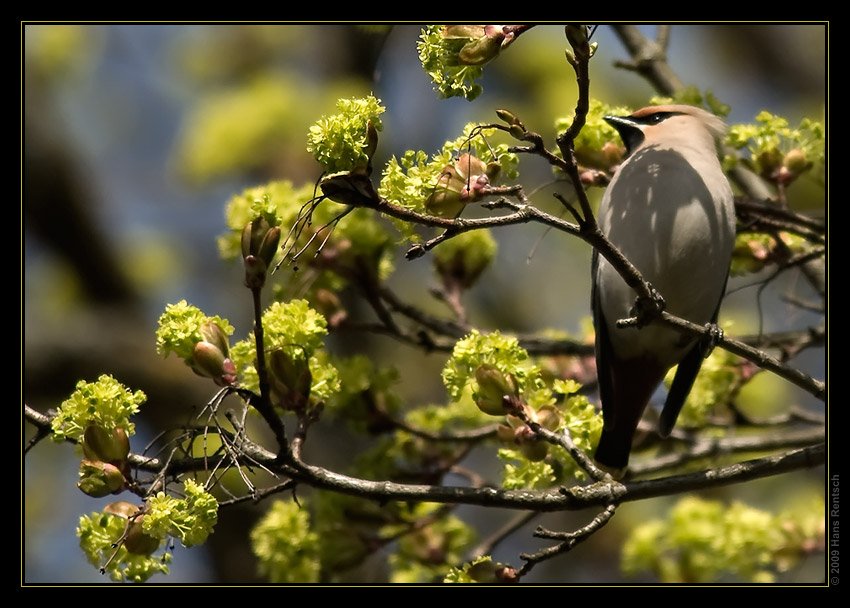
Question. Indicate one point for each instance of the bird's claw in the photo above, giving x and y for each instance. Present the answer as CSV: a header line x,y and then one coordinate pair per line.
x,y
648,308
713,336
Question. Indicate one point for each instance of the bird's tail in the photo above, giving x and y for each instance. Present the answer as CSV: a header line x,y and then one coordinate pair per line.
x,y
613,450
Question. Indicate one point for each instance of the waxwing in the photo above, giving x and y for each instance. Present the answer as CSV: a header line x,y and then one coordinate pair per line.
x,y
669,209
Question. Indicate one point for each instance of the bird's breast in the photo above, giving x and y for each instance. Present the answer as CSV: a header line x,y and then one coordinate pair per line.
x,y
674,222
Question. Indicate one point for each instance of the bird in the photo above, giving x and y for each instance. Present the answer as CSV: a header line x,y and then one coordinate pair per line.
x,y
669,209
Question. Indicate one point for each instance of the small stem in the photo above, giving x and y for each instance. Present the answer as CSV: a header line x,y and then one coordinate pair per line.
x,y
263,403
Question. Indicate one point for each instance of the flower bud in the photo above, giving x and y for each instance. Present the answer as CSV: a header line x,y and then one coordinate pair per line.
x,y
796,162
137,542
259,245
533,448
577,37
255,271
98,479
211,332
576,33
480,51
122,508
493,387
461,182
492,170
520,436
253,234
768,161
484,44
469,167
290,378
484,572
506,574
209,361
507,116
444,203
331,307
268,247
106,446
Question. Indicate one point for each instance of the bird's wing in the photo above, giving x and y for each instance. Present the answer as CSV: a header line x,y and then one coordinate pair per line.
x,y
603,348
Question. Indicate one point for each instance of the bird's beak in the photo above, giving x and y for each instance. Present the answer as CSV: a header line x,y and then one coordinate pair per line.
x,y
628,129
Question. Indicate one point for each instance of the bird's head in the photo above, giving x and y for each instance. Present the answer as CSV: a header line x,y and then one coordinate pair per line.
x,y
668,124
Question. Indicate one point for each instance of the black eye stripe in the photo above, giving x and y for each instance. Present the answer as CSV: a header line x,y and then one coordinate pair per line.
x,y
655,117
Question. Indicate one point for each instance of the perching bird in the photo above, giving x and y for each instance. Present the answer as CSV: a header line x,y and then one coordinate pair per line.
x,y
669,209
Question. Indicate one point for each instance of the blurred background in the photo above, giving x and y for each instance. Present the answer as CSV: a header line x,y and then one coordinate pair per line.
x,y
135,136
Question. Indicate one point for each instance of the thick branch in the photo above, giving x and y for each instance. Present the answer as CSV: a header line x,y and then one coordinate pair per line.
x,y
577,497
649,58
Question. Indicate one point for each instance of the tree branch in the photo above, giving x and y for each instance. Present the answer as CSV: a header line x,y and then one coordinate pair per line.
x,y
601,493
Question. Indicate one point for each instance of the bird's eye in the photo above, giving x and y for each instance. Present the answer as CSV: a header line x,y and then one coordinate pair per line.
x,y
656,118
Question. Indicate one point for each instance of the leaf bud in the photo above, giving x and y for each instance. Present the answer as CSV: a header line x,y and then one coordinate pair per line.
x,y
330,306
371,139
507,116
99,479
213,333
122,508
106,446
253,234
493,387
209,361
796,162
290,378
255,271
768,161
137,541
484,571
268,247
577,37
469,166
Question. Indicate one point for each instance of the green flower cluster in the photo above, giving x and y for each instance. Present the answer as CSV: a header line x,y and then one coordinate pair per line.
x,y
414,180
453,56
597,145
345,142
537,465
286,547
424,553
494,350
482,570
503,381
98,534
199,340
106,403
122,538
704,541
350,239
779,152
299,367
190,519
279,203
461,259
